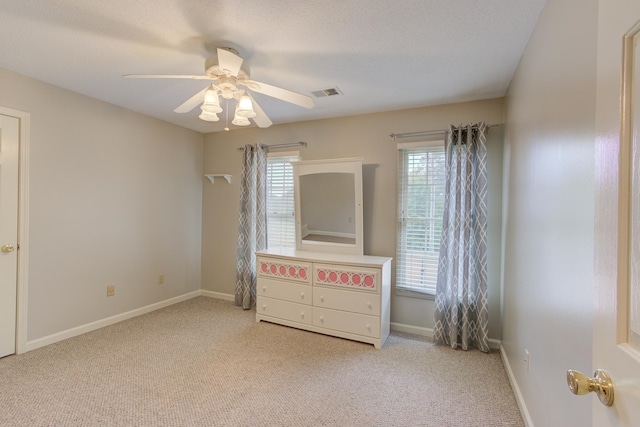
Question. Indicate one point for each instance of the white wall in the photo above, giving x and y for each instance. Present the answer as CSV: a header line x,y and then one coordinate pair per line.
x,y
549,212
364,136
115,198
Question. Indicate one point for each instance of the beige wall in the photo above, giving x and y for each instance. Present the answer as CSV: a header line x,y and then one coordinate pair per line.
x,y
115,198
549,212
364,136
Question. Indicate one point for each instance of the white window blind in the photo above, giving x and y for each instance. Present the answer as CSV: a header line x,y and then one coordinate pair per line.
x,y
281,226
421,188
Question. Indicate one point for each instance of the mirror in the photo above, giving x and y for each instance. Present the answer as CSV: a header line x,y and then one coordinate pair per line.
x,y
329,205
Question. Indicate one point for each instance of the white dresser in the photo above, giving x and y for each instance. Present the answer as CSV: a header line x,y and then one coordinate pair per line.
x,y
345,296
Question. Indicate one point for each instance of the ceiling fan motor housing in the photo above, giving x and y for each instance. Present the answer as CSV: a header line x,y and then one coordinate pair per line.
x,y
212,69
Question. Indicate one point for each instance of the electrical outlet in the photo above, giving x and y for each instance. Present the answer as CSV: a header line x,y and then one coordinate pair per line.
x,y
111,290
527,360
161,279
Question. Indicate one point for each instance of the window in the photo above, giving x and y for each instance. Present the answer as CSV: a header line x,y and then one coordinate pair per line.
x,y
281,226
421,188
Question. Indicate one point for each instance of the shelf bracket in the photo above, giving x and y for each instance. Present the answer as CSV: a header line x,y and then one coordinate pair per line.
x,y
212,176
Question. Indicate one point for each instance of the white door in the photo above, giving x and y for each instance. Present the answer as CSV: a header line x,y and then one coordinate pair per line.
x,y
9,128
616,337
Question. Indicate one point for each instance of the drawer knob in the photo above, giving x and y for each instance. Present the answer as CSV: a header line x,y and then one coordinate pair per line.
x,y
264,289
321,298
302,295
302,314
322,318
369,304
368,326
264,306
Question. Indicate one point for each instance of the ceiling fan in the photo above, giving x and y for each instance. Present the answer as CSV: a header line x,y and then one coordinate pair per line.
x,y
229,77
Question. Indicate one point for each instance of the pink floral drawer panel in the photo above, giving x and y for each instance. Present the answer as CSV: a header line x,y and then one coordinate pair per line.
x,y
360,278
282,269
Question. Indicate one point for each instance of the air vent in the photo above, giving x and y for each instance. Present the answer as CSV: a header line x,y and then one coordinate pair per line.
x,y
332,91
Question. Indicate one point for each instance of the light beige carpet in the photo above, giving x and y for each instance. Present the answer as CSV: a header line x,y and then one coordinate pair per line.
x,y
205,362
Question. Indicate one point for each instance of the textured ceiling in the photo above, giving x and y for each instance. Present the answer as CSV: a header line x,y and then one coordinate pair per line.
x,y
382,54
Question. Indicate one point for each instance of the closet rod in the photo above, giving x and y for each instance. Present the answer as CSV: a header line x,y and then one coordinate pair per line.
x,y
292,144
429,132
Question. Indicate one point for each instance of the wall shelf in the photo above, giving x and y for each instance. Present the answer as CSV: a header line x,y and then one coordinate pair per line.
x,y
212,176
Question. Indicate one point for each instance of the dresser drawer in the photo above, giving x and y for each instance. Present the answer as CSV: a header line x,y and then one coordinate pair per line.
x,y
338,299
284,290
284,269
284,310
347,277
354,323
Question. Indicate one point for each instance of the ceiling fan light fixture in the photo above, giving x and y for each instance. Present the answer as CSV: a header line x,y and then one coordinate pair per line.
x,y
227,93
245,107
213,109
240,121
211,102
227,89
208,116
227,76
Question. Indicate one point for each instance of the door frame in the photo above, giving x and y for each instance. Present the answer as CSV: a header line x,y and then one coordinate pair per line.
x,y
23,225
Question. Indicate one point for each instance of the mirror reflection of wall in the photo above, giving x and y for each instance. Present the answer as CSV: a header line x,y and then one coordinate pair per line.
x,y
328,207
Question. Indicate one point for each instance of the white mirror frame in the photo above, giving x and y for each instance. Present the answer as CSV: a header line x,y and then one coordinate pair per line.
x,y
350,165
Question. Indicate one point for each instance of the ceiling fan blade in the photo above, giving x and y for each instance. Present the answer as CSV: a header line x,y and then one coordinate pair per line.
x,y
261,119
192,102
229,62
280,93
166,76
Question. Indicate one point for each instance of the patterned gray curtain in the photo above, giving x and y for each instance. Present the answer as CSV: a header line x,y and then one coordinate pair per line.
x,y
252,224
461,308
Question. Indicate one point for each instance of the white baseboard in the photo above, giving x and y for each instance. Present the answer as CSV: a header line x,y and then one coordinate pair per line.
x,y
516,390
494,344
218,295
428,332
79,330
410,329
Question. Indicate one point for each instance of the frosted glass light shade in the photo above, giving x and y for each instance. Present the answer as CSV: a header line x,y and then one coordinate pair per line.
x,y
208,117
211,102
245,107
240,121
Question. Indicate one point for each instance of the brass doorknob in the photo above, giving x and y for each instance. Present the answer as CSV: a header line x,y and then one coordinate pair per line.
x,y
601,384
8,248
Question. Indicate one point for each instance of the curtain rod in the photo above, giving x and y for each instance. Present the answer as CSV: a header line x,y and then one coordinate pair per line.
x,y
271,147
429,132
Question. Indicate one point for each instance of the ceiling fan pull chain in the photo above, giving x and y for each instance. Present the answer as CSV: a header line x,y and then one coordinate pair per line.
x,y
226,112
